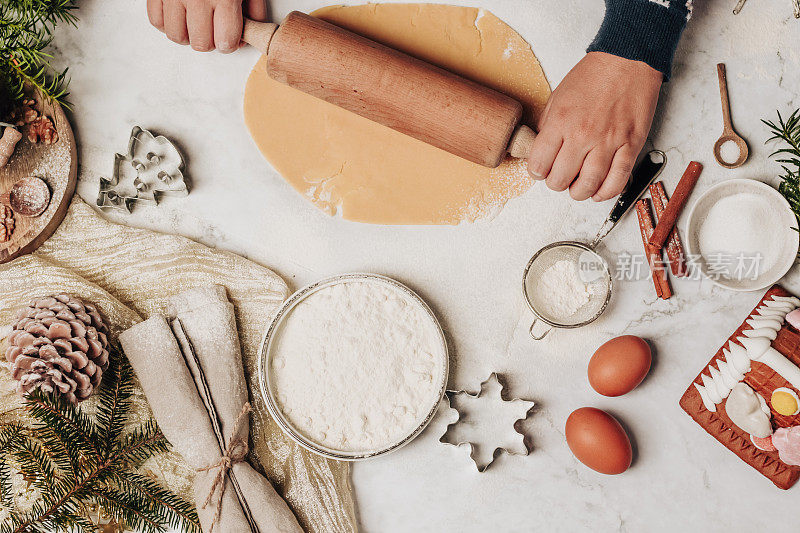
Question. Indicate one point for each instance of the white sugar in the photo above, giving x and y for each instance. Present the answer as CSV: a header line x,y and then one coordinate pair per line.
x,y
729,152
742,227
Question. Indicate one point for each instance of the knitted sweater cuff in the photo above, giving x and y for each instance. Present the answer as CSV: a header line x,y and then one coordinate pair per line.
x,y
642,30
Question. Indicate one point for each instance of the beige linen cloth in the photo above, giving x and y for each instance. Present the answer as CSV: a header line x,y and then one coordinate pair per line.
x,y
129,273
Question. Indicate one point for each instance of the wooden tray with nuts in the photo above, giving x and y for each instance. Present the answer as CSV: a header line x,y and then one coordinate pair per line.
x,y
38,181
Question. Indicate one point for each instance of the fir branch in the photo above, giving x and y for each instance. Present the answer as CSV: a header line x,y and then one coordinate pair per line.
x,y
115,394
173,510
11,523
34,463
69,522
139,445
788,155
126,506
48,12
60,451
61,522
9,435
78,459
53,504
37,75
26,33
58,414
6,496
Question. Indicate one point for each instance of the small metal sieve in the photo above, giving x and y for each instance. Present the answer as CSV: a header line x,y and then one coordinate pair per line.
x,y
590,267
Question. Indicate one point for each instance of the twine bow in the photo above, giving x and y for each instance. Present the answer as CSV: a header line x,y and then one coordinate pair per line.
x,y
234,452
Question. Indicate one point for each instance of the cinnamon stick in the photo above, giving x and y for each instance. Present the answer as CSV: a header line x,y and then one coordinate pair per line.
x,y
675,253
646,223
676,204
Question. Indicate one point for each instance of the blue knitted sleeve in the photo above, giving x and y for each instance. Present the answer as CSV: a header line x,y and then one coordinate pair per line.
x,y
643,30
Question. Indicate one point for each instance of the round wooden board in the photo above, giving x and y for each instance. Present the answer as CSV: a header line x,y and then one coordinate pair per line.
x,y
57,165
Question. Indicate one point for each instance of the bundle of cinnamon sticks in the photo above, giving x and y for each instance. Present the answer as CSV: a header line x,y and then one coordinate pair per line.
x,y
656,236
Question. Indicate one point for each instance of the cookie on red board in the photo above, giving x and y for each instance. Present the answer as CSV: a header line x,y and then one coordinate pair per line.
x,y
713,387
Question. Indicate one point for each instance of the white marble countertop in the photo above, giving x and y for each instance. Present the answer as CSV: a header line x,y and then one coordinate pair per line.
x,y
125,73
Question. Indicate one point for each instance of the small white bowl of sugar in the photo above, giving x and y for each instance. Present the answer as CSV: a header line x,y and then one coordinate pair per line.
x,y
742,235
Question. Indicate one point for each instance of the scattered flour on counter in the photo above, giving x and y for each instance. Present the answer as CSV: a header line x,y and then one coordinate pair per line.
x,y
564,293
357,366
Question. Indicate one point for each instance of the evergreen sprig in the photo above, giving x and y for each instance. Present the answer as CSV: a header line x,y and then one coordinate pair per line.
x,y
77,460
788,154
26,32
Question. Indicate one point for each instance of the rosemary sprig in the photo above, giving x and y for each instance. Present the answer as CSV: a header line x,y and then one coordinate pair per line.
x,y
788,154
26,32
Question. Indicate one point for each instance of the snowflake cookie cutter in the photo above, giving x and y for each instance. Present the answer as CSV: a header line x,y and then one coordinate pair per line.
x,y
481,456
151,170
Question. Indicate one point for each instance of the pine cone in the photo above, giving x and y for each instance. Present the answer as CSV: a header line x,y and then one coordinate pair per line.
x,y
59,345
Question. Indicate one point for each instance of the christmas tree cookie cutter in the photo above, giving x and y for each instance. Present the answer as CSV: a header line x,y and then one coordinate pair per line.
x,y
464,430
151,170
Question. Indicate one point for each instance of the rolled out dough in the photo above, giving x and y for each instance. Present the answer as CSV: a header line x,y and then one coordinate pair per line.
x,y
366,172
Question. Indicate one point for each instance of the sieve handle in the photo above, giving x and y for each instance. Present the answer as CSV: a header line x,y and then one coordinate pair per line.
x,y
535,336
642,176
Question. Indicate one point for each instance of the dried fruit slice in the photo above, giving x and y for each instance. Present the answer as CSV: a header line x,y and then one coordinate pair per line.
x,y
763,444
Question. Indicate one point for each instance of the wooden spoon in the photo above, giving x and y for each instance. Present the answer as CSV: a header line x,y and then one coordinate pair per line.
x,y
728,133
28,197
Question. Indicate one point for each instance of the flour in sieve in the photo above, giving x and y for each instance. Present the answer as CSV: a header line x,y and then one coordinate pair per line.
x,y
565,291
357,366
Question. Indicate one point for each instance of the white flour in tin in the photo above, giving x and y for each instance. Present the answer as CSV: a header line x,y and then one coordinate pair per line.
x,y
357,366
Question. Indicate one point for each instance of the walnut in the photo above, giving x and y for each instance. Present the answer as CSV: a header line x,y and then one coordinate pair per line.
x,y
42,129
25,113
6,223
29,115
37,127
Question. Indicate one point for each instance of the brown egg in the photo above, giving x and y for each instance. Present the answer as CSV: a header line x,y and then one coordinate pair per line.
x,y
597,440
619,365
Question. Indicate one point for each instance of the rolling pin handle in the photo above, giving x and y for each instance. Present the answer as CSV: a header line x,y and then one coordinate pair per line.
x,y
258,34
521,142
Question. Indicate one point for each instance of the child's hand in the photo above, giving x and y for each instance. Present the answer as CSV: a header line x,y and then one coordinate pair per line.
x,y
205,24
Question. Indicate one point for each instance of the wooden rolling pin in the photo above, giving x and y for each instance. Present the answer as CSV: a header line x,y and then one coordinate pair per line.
x,y
392,88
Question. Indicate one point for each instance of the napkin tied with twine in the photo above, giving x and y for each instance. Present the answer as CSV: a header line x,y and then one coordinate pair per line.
x,y
191,371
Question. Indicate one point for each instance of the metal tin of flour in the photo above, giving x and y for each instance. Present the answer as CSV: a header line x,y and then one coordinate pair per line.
x,y
266,384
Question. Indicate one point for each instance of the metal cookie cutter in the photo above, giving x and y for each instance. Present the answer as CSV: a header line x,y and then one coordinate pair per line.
x,y
483,454
151,170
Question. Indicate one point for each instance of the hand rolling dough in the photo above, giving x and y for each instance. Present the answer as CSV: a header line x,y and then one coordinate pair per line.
x,y
369,173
